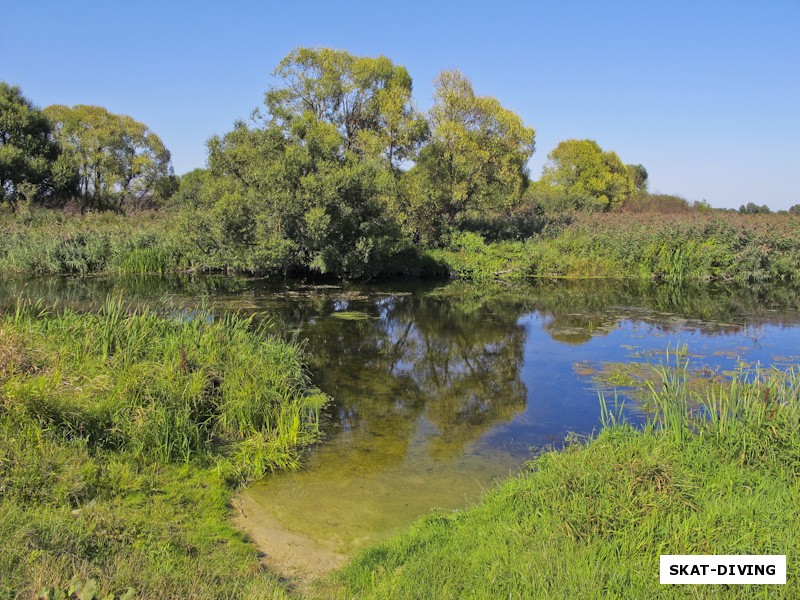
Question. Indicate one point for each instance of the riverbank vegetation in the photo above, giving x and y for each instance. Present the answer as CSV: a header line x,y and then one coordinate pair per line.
x,y
688,247
123,434
710,475
691,247
340,174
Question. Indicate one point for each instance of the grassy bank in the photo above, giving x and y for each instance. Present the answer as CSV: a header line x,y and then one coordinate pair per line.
x,y
592,520
40,242
122,437
692,247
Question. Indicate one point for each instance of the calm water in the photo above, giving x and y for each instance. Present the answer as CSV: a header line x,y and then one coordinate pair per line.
x,y
439,390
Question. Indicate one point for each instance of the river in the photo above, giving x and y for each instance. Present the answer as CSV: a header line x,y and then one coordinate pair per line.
x,y
440,389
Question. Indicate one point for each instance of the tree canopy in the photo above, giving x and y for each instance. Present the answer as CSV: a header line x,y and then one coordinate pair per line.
x,y
119,160
309,182
590,177
751,208
31,161
338,161
476,158
367,100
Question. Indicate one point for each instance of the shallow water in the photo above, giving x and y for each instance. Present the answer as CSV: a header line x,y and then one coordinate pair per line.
x,y
440,392
441,389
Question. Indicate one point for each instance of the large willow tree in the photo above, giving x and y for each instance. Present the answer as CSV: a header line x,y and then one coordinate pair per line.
x,y
309,182
475,161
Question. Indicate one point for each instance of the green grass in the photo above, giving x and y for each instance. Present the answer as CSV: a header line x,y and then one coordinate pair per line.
x,y
677,249
708,475
123,434
52,242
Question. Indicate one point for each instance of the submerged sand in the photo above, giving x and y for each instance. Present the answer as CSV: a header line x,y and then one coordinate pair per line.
x,y
290,554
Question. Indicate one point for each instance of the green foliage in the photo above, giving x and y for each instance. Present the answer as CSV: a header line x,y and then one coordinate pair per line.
x,y
753,209
598,180
309,185
476,159
638,175
175,390
233,235
298,205
316,182
339,174
121,163
367,100
83,591
43,242
695,246
32,165
467,256
591,521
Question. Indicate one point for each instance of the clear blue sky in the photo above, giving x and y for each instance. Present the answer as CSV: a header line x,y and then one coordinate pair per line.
x,y
706,94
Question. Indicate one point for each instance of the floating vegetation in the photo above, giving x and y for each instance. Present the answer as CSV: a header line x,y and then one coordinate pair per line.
x,y
351,315
583,368
624,374
785,360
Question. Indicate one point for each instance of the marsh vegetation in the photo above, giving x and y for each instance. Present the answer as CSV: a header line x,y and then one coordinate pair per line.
x,y
124,433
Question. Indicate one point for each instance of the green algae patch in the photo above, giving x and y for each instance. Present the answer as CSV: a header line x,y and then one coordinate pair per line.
x,y
351,315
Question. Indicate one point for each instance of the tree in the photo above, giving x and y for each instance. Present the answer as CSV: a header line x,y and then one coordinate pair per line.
x,y
753,209
592,178
476,158
795,209
638,175
30,157
119,160
309,183
367,100
279,198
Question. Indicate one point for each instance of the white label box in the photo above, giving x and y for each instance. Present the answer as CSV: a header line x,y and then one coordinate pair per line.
x,y
723,568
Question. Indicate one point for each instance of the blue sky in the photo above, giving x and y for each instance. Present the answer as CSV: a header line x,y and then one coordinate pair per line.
x,y
706,95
